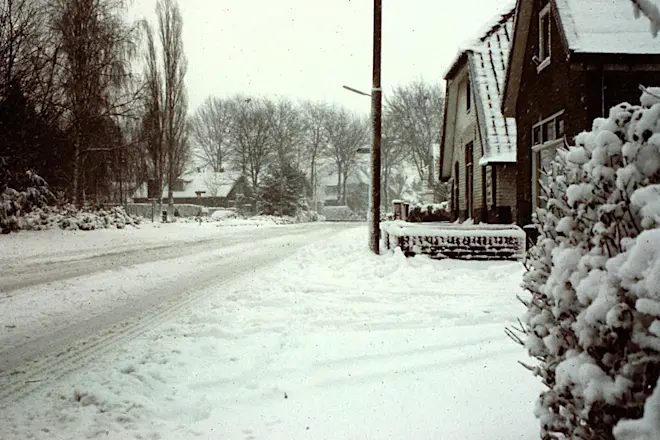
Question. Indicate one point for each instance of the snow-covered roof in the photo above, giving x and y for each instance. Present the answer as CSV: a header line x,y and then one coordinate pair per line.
x,y
213,184
488,58
485,29
605,27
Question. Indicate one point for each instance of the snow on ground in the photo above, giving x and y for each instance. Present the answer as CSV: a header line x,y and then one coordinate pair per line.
x,y
333,343
62,245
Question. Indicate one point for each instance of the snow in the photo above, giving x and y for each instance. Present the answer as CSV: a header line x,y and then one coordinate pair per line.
x,y
589,28
400,227
488,61
214,184
68,245
334,342
488,66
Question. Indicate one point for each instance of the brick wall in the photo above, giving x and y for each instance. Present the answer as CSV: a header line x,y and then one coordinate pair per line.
x,y
542,94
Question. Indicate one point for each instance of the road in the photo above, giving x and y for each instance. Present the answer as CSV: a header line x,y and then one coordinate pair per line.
x,y
53,323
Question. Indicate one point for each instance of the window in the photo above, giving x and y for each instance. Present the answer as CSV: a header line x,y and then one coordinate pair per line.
x,y
178,185
544,38
468,95
547,137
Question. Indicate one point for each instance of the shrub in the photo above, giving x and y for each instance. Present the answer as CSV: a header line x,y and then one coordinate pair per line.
x,y
593,278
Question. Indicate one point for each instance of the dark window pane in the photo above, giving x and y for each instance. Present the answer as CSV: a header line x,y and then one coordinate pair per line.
x,y
536,135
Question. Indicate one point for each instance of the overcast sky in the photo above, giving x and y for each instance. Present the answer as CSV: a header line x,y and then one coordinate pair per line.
x,y
308,49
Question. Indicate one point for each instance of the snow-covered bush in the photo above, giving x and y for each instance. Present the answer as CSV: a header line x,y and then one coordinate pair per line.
x,y
69,218
593,313
14,205
428,212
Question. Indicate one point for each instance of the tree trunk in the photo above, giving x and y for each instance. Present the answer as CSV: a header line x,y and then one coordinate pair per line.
x,y
76,173
339,186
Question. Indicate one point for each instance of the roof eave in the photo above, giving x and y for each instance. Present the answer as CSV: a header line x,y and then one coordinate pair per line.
x,y
444,132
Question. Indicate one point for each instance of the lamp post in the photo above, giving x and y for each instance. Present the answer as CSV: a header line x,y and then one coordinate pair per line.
x,y
376,126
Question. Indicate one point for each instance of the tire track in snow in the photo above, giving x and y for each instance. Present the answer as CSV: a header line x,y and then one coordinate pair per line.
x,y
13,278
77,350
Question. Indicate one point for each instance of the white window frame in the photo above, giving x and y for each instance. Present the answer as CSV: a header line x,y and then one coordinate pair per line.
x,y
544,59
536,153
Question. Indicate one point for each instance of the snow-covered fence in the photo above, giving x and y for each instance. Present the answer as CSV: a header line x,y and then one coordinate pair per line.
x,y
448,240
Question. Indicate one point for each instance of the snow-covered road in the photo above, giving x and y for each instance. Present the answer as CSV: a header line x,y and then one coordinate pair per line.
x,y
59,311
331,342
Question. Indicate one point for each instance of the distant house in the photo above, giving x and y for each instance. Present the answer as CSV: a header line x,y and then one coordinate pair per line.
x,y
357,184
217,189
570,62
478,144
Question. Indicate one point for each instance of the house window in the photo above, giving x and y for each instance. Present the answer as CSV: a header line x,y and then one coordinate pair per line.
x,y
178,185
468,95
544,38
547,137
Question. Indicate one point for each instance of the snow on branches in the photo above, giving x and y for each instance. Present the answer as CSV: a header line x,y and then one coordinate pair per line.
x,y
593,313
649,9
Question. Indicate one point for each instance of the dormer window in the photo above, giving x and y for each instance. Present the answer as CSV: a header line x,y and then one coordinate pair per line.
x,y
543,56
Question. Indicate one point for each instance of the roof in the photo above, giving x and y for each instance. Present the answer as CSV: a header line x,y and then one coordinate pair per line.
x,y
588,28
488,60
605,27
486,29
212,183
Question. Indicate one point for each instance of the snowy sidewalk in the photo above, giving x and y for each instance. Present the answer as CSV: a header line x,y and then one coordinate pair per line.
x,y
334,343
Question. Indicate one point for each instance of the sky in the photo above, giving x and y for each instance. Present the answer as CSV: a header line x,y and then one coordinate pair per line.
x,y
309,49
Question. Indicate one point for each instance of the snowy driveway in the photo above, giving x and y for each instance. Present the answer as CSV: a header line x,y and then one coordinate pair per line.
x,y
331,343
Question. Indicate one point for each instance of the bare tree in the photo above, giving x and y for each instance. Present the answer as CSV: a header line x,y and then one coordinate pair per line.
x,y
286,132
414,113
210,126
393,153
251,137
346,133
97,45
153,131
314,116
175,100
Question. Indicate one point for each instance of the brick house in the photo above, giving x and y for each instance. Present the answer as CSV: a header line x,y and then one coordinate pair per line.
x,y
570,62
478,144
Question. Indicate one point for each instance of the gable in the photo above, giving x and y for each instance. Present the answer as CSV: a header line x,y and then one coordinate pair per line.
x,y
597,29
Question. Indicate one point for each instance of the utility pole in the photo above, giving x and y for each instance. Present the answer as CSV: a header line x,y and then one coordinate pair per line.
x,y
376,122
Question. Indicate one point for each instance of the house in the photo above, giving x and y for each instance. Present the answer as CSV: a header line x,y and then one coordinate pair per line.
x,y
216,189
478,144
357,185
570,62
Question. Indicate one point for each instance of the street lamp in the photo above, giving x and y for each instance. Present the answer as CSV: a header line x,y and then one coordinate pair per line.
x,y
376,126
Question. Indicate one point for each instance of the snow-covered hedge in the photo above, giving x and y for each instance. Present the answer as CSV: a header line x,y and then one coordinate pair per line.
x,y
593,314
448,240
15,205
423,212
69,218
29,210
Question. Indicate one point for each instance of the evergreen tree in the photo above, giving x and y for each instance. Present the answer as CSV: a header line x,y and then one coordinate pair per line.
x,y
284,191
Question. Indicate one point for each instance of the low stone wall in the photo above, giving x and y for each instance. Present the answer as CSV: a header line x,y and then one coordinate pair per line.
x,y
448,240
